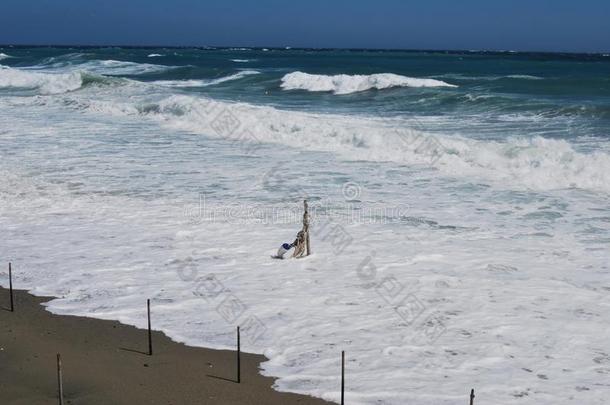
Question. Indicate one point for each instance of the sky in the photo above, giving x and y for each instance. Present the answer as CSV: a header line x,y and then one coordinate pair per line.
x,y
535,25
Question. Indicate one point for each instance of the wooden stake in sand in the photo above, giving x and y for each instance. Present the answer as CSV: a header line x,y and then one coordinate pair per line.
x,y
472,396
10,286
238,358
342,377
60,384
302,247
306,227
150,351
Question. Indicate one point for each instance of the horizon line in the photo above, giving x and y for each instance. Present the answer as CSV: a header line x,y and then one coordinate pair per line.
x,y
258,47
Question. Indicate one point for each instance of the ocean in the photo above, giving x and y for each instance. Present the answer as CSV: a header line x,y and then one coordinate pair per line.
x,y
459,201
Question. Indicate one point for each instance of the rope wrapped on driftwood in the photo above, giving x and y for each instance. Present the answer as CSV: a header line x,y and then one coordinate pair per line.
x,y
301,243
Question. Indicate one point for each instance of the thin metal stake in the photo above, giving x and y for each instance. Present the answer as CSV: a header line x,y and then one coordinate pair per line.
x,y
60,384
342,377
238,358
472,396
10,286
150,350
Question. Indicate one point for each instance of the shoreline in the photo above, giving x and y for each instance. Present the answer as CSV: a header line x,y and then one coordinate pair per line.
x,y
107,362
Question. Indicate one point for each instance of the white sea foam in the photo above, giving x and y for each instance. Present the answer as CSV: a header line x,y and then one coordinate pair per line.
x,y
182,83
241,60
204,82
4,56
44,83
154,55
115,67
346,84
525,77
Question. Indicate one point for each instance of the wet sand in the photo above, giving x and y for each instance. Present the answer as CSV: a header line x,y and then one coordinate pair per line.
x,y
105,362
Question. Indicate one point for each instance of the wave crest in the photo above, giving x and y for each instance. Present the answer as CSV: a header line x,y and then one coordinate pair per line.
x,y
116,67
346,84
205,83
79,61
44,83
51,83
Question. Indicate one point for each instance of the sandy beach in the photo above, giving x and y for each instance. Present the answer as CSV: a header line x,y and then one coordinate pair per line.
x,y
105,362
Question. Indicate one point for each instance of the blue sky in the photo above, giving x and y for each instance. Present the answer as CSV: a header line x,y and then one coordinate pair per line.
x,y
558,25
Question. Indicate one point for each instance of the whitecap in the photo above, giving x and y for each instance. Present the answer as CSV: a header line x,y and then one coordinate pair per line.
x,y
525,77
116,67
203,82
346,84
182,83
44,83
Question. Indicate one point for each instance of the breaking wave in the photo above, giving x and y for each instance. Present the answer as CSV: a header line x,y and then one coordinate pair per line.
x,y
4,56
346,84
49,83
44,83
78,61
115,67
522,163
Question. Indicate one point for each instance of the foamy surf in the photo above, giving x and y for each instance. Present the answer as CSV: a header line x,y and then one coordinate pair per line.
x,y
4,56
346,84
